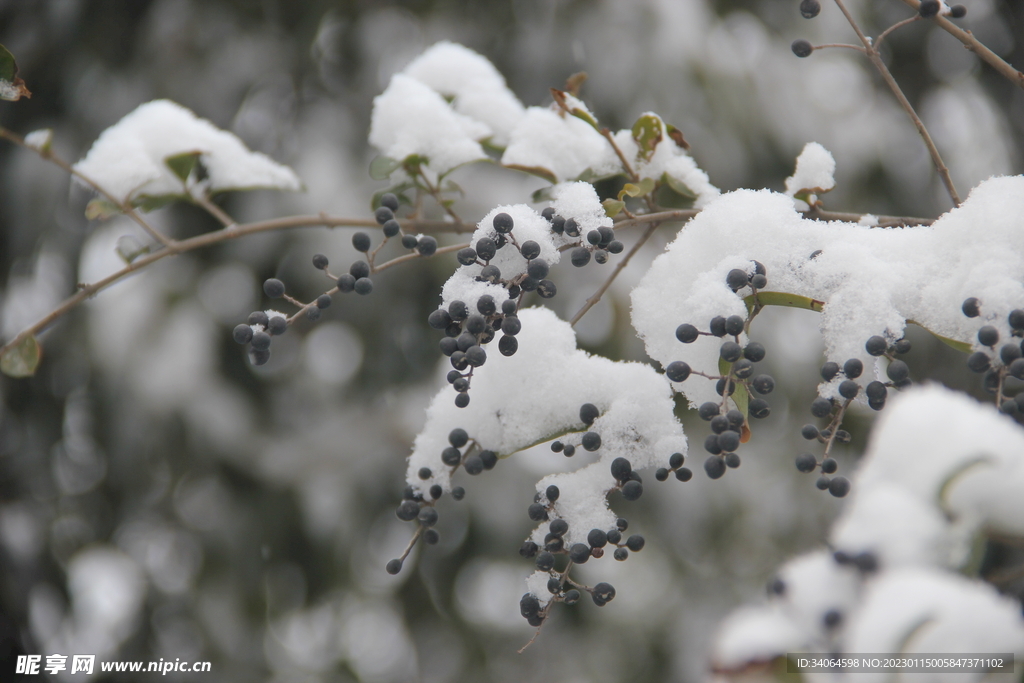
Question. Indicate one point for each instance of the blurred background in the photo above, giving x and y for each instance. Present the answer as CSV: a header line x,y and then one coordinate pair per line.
x,y
162,498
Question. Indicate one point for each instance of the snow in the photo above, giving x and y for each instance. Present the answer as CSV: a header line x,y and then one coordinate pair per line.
x,y
410,118
562,146
814,172
128,159
477,89
872,281
535,396
940,470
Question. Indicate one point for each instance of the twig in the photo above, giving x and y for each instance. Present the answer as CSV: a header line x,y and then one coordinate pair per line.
x,y
816,213
858,48
198,242
876,60
975,46
399,260
204,201
124,206
898,24
622,157
596,296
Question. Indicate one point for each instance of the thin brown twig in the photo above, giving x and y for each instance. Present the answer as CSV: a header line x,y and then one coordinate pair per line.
x,y
596,296
622,157
880,66
220,214
858,48
898,24
124,206
975,46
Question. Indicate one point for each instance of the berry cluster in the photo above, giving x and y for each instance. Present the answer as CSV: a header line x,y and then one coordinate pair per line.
x,y
999,366
424,245
462,452
600,242
545,509
876,391
467,331
737,381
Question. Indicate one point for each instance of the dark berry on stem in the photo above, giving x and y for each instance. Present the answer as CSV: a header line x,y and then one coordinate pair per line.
x,y
687,333
897,371
588,413
708,410
821,407
853,368
363,286
677,371
806,462
675,461
802,48
719,424
971,307
621,469
323,301
978,361
732,460
409,241
635,543
875,391
277,325
754,352
730,351
394,566
829,370
359,269
458,493
537,269
734,324
319,261
462,399
408,510
876,345
273,288
467,256
439,319
426,245
957,11
848,388
759,281
684,474
809,432
260,340
580,256
428,516
569,450
537,512
383,214
714,466
928,8
361,241
711,444
632,490
736,279
729,441
503,223
763,384
591,441
822,483
839,486
242,333
545,561
758,408
511,325
809,8
829,466
486,248
346,283
718,326
258,318
391,228
988,335
558,527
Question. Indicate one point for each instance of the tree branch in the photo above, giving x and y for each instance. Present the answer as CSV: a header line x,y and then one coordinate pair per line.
x,y
596,296
876,60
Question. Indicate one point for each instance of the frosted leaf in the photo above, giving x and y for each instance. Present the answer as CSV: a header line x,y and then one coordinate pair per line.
x,y
814,170
870,281
409,118
926,610
476,88
671,159
951,453
535,396
128,160
562,147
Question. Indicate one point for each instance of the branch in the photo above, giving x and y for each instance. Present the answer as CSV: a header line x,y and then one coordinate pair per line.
x,y
876,60
974,45
206,240
596,296
124,206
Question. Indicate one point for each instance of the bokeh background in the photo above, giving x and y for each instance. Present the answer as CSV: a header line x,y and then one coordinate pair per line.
x,y
161,498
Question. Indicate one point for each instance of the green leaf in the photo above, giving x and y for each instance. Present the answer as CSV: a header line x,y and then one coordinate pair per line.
x,y
22,359
647,133
964,347
182,164
382,167
542,195
783,299
101,208
613,207
539,171
638,190
12,88
678,186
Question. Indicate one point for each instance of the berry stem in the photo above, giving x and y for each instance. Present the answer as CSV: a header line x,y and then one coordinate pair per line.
x,y
898,24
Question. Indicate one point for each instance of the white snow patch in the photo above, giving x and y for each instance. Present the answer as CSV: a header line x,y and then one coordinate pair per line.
x,y
128,159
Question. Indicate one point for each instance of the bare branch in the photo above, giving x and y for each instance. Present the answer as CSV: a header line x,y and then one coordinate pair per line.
x,y
876,60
